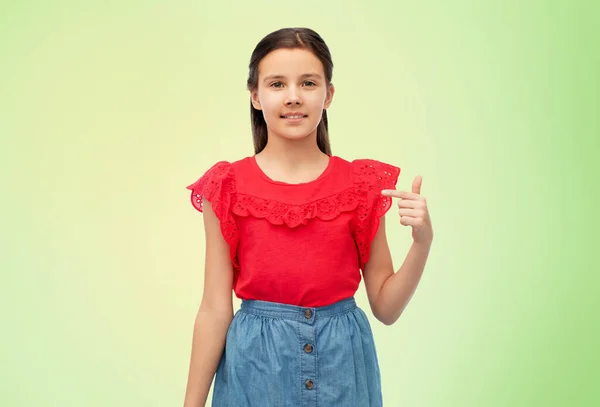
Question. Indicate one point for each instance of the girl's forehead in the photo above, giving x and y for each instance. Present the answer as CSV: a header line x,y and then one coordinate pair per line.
x,y
285,61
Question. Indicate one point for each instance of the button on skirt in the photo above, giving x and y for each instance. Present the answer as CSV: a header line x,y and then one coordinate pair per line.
x,y
280,355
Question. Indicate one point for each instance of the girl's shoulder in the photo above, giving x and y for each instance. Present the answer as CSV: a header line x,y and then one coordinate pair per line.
x,y
225,181
359,168
372,172
216,184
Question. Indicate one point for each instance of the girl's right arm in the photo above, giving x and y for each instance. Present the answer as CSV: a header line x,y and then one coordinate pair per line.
x,y
214,315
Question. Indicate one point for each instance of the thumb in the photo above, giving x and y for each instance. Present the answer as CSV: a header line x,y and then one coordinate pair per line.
x,y
416,186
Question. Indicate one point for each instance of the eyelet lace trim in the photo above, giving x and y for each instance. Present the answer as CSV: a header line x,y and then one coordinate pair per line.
x,y
218,186
371,177
279,213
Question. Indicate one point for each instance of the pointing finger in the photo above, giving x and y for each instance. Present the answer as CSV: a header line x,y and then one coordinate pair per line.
x,y
400,194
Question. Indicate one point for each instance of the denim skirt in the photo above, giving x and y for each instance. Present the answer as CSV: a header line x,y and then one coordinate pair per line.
x,y
280,355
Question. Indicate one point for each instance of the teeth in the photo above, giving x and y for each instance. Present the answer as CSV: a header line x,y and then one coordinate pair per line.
x,y
293,117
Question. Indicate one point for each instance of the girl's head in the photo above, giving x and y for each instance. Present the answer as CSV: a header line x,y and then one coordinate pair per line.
x,y
290,74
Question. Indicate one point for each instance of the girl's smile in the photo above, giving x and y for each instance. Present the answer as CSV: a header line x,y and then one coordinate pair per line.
x,y
294,117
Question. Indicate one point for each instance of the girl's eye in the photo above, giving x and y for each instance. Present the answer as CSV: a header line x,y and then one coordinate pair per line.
x,y
280,85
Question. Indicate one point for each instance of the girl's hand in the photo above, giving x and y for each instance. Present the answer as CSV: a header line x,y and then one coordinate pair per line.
x,y
413,211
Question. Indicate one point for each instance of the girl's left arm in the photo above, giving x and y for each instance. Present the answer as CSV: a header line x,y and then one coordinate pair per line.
x,y
390,292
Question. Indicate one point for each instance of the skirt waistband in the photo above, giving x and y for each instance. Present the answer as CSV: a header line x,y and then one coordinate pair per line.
x,y
294,312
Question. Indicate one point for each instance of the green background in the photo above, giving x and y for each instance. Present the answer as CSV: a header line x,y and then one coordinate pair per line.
x,y
108,110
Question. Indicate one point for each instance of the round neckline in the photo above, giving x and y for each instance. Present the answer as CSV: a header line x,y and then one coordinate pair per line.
x,y
264,176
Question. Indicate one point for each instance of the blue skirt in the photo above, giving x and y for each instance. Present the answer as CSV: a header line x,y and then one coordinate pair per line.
x,y
280,355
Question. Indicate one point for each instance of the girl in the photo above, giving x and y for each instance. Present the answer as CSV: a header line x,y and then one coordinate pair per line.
x,y
290,229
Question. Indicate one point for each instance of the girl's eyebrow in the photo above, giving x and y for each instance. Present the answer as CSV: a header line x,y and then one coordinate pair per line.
x,y
304,76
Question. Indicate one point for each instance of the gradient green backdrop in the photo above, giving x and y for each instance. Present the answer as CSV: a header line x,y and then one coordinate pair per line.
x,y
108,110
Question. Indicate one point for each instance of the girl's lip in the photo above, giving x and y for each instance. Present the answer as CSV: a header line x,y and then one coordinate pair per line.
x,y
293,120
284,116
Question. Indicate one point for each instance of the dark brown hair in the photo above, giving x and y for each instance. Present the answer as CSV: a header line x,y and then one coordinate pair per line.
x,y
303,38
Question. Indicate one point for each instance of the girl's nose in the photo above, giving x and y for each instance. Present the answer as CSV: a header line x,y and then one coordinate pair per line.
x,y
293,99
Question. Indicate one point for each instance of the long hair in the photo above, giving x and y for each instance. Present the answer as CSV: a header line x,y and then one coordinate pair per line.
x,y
303,38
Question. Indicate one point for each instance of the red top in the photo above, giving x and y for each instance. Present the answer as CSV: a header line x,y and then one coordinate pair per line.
x,y
300,244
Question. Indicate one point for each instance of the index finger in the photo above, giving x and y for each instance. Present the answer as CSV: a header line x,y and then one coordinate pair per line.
x,y
400,194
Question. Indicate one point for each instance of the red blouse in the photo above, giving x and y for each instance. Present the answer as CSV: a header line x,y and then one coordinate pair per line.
x,y
300,244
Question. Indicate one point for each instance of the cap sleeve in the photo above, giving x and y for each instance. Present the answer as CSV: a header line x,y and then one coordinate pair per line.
x,y
370,178
217,186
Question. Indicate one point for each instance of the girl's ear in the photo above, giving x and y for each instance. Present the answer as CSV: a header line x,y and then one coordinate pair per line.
x,y
329,97
254,99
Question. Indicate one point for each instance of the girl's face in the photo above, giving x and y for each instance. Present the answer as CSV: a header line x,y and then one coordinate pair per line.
x,y
292,93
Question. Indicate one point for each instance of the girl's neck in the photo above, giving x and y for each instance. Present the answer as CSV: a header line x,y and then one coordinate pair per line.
x,y
290,154
285,160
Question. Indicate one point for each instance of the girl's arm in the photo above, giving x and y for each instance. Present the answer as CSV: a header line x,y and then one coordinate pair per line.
x,y
389,293
214,315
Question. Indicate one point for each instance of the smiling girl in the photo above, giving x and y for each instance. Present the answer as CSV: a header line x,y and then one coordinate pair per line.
x,y
289,230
